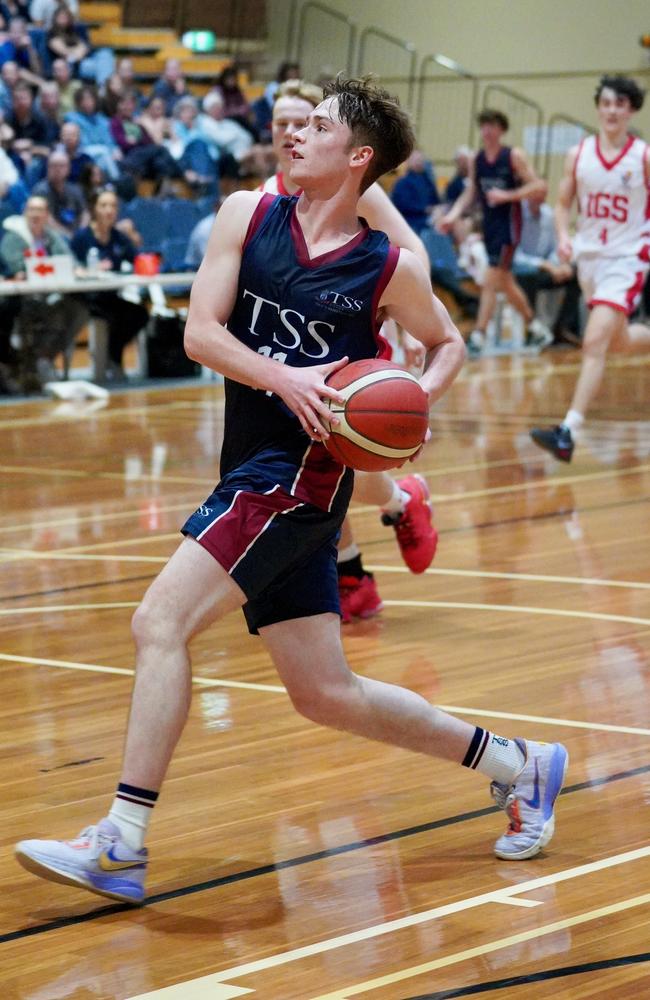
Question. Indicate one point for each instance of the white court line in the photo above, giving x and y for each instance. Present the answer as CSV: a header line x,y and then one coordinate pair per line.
x,y
204,988
278,689
15,555
519,609
533,577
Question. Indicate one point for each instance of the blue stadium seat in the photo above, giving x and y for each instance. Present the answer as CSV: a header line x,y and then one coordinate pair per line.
x,y
206,204
149,218
173,250
182,216
441,251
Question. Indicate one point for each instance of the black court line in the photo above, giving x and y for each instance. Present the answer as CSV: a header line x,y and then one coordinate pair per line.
x,y
535,977
305,859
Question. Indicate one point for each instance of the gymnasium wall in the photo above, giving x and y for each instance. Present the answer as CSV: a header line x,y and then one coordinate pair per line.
x,y
549,51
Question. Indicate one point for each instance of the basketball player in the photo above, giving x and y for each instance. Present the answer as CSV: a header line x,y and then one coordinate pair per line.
x,y
404,504
265,539
609,174
501,177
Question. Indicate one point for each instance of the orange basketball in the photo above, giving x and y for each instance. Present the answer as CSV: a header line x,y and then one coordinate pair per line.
x,y
384,418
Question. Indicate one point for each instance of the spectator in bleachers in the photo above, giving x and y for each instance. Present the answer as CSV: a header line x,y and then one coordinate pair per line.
x,y
229,143
456,186
235,105
538,267
64,198
13,193
110,94
92,180
49,106
126,73
18,47
125,319
45,327
16,8
66,83
30,133
41,12
472,255
155,120
141,156
188,145
171,86
198,240
415,194
9,77
70,143
94,127
65,42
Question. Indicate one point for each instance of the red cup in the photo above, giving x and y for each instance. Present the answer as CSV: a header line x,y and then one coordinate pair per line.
x,y
147,263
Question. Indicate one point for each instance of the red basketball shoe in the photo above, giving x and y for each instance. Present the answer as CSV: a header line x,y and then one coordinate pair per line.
x,y
416,535
359,597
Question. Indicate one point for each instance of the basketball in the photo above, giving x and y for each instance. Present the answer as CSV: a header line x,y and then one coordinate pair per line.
x,y
384,418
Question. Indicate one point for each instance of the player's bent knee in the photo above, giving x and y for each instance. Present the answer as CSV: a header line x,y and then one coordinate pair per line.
x,y
150,627
322,705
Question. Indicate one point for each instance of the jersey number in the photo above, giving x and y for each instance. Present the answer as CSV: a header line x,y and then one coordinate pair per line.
x,y
602,235
280,356
607,206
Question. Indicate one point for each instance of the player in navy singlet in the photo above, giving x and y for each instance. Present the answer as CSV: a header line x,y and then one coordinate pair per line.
x,y
500,178
403,503
609,176
287,292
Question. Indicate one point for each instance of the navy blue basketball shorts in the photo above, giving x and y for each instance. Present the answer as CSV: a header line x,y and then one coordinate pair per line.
x,y
279,550
500,249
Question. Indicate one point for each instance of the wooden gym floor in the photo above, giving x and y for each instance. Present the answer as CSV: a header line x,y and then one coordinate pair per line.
x,y
295,863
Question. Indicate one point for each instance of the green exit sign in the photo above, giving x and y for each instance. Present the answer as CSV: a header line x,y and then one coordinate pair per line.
x,y
200,41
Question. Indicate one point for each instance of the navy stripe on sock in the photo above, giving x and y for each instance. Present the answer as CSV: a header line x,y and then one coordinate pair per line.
x,y
138,793
473,747
484,744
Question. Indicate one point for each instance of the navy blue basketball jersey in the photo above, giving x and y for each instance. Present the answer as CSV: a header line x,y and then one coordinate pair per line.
x,y
501,223
300,312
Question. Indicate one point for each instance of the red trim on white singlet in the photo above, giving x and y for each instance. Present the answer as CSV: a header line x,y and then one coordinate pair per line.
x,y
634,292
279,180
330,256
575,164
610,164
605,302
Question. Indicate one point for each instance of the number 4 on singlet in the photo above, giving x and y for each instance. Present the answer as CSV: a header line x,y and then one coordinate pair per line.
x,y
602,235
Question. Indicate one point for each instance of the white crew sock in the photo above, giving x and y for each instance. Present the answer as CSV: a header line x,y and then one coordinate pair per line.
x,y
573,420
398,500
495,756
131,812
349,552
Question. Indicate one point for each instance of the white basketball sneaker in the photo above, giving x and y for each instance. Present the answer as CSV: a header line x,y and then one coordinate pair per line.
x,y
529,801
98,860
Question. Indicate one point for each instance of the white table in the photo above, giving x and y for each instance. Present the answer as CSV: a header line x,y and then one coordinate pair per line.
x,y
106,281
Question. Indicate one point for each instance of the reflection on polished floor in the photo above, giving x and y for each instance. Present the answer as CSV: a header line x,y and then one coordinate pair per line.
x,y
296,863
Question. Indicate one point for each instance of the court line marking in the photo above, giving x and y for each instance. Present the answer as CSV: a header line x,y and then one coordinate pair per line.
x,y
90,474
534,577
486,949
16,555
520,609
188,989
92,518
110,414
279,689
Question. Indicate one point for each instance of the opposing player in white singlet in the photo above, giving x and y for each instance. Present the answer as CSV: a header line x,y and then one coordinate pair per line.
x,y
609,174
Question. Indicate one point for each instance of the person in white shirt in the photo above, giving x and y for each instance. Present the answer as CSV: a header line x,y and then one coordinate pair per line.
x,y
609,174
41,12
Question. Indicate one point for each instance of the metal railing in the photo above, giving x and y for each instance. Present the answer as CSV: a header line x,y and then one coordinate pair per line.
x,y
379,49
523,113
319,52
561,133
446,107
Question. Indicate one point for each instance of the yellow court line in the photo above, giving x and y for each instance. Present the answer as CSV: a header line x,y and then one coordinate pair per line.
x,y
201,989
15,555
534,577
485,949
519,609
278,689
47,608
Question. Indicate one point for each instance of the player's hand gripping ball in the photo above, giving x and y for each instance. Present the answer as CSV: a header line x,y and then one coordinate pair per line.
x,y
384,419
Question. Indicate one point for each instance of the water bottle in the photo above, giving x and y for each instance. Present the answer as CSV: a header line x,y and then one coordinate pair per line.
x,y
92,260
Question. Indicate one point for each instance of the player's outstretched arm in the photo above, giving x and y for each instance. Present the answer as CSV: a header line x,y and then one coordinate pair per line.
x,y
409,301
209,342
565,195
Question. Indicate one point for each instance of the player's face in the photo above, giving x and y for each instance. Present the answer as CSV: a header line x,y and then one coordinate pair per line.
x,y
290,114
491,133
322,147
614,110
